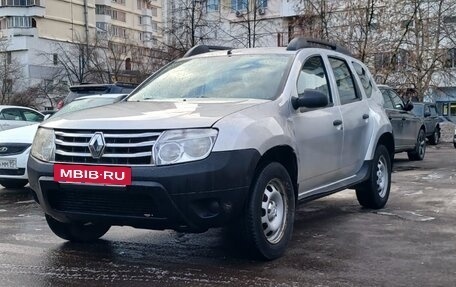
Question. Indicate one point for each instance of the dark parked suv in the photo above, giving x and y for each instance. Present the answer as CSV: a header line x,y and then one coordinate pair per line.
x,y
428,114
95,89
408,129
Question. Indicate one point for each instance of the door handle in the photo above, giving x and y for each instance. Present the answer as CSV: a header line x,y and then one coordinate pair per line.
x,y
365,116
337,123
403,119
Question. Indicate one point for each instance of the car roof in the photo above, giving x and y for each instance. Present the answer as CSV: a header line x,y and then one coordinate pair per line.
x,y
16,107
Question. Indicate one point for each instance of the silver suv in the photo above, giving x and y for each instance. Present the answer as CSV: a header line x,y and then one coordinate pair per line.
x,y
228,137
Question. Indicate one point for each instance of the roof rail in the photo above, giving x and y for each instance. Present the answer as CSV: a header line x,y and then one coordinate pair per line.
x,y
201,49
303,42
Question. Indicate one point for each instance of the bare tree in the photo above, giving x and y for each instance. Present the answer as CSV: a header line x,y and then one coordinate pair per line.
x,y
11,73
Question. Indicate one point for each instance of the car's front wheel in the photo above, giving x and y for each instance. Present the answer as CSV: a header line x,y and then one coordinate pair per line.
x,y
13,183
77,232
374,192
267,224
420,147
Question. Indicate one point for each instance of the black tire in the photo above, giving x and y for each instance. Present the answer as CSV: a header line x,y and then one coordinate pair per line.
x,y
435,138
272,201
420,147
13,183
77,232
374,192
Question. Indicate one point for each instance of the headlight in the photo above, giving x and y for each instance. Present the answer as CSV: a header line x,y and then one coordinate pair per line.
x,y
43,147
177,146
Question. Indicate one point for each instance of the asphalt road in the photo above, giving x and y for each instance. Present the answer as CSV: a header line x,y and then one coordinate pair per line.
x,y
412,242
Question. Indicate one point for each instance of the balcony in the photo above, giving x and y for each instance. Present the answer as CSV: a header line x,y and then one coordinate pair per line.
x,y
146,12
291,8
32,11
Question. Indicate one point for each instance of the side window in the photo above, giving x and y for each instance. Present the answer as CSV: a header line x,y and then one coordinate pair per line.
x,y
31,116
388,103
313,76
398,104
12,115
427,109
344,81
366,82
433,111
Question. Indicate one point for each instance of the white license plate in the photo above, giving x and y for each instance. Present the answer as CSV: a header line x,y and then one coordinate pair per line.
x,y
8,163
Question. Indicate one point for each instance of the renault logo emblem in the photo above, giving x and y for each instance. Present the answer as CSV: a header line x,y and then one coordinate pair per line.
x,y
97,145
3,149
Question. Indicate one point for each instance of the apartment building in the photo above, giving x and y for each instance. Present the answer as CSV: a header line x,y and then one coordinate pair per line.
x,y
33,29
407,44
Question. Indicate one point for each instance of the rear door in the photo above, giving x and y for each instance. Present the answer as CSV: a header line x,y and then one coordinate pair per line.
x,y
410,123
355,117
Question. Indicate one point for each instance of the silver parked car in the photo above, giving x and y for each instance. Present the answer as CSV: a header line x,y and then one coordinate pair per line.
x,y
230,137
15,116
409,129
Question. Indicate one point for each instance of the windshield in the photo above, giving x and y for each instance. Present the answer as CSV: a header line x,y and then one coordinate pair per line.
x,y
246,76
418,110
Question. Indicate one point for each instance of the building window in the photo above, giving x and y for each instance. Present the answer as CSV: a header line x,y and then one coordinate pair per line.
x,y
154,11
103,26
451,58
238,5
390,60
55,59
262,4
140,4
212,5
118,15
128,64
154,26
20,3
121,2
19,22
102,10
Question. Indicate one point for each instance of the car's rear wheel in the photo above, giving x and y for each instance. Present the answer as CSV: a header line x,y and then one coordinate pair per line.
x,y
13,183
420,147
374,192
77,232
267,224
435,138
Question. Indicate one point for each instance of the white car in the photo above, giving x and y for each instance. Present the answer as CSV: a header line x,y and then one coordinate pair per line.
x,y
15,143
14,117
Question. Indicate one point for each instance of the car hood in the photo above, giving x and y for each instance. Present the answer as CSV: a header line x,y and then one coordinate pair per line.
x,y
190,113
19,135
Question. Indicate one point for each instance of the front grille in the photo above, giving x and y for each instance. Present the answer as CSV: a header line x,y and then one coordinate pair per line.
x,y
19,171
114,203
7,149
133,147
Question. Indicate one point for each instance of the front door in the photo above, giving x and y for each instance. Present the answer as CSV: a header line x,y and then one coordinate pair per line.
x,y
319,132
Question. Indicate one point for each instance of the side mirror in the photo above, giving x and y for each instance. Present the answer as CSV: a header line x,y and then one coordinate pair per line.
x,y
46,117
427,114
408,106
310,99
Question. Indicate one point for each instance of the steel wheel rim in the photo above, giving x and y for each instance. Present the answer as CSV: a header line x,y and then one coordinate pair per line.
x,y
382,177
421,144
273,211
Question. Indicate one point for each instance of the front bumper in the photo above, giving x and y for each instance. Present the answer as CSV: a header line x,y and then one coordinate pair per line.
x,y
21,171
192,196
